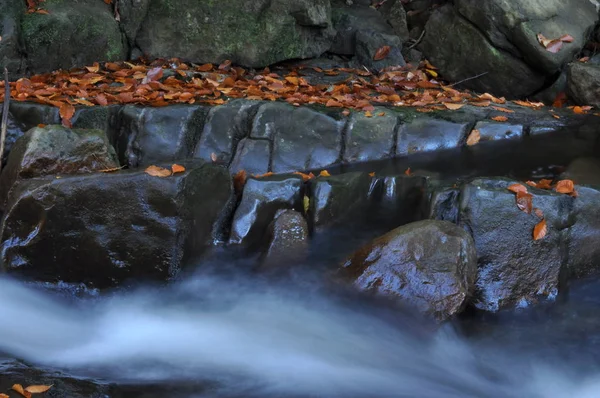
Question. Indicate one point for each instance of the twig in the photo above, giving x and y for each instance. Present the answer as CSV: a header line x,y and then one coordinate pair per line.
x,y
467,79
417,42
4,115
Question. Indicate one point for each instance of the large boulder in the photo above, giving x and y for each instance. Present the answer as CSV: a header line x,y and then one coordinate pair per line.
x,y
103,229
248,32
14,131
11,55
71,34
431,265
583,83
56,150
288,240
452,42
514,269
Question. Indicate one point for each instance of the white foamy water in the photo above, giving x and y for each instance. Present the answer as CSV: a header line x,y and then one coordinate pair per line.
x,y
269,342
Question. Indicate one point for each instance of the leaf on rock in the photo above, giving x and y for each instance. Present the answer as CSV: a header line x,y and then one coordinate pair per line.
x,y
305,177
153,75
381,53
554,46
19,388
540,230
500,118
516,188
565,186
177,168
66,112
525,201
156,171
473,137
407,172
372,174
4,396
239,180
213,157
38,389
453,107
324,173
538,212
544,184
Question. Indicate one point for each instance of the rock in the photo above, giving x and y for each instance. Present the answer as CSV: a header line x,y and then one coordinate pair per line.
x,y
133,13
225,126
514,269
247,32
303,139
56,150
348,20
103,229
584,234
493,131
154,135
261,200
88,26
397,199
583,82
513,26
368,42
451,43
14,130
252,156
583,171
395,15
431,265
288,242
11,52
444,204
425,134
370,138
332,199
32,114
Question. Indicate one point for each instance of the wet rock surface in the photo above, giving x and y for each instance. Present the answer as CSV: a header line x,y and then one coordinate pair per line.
x,y
583,81
103,229
288,240
430,264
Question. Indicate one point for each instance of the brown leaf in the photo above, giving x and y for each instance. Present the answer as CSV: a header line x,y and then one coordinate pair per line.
x,y
19,388
578,110
538,212
565,186
66,112
239,180
407,172
156,171
525,201
94,68
334,103
554,46
453,107
544,184
4,396
304,176
153,75
474,137
37,389
502,109
500,118
372,174
516,188
540,230
566,38
368,114
177,168
101,99
382,53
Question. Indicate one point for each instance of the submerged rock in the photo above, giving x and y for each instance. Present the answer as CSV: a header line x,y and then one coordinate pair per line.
x,y
56,150
103,229
583,171
583,83
431,265
288,240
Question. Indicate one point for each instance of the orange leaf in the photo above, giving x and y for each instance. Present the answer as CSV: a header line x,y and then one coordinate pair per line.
x,y
453,107
4,396
38,389
516,188
566,38
473,137
500,118
239,180
324,173
372,174
156,171
565,186
382,53
578,110
407,172
538,212
304,176
560,100
544,184
94,68
101,99
502,109
177,168
368,114
66,112
19,388
524,201
334,103
554,46
540,230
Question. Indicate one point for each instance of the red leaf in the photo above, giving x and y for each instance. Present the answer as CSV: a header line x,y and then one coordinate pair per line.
x,y
382,53
554,46
565,186
516,188
525,202
540,230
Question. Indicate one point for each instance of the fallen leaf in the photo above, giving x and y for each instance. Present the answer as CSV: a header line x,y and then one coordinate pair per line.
x,y
525,201
368,114
538,212
474,137
305,177
66,112
554,46
381,114
372,174
540,230
19,388
267,174
213,156
560,100
38,389
453,107
177,168
564,186
544,184
239,180
306,203
502,109
516,188
156,171
566,38
382,53
324,173
578,110
500,118
407,172
4,396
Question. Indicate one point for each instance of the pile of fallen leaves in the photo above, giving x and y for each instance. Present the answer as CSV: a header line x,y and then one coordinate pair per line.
x,y
164,82
524,200
27,392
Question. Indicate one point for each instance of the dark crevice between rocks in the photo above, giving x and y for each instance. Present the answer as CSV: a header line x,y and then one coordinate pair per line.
x,y
344,135
397,127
